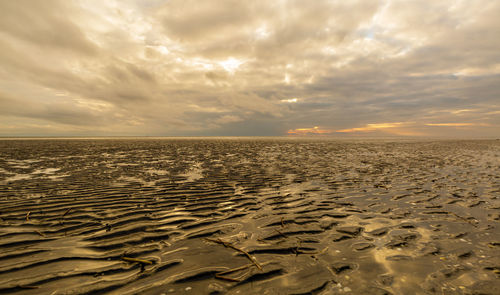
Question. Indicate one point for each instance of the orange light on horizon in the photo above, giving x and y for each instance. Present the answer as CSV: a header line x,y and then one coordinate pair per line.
x,y
372,127
456,124
306,131
395,128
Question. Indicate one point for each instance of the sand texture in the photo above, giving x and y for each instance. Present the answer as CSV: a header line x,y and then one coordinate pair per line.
x,y
249,216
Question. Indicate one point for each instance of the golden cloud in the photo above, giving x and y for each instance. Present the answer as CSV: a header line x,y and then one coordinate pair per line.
x,y
189,67
373,127
456,124
309,131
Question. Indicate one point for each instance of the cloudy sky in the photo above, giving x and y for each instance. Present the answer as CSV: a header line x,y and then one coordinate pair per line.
x,y
224,67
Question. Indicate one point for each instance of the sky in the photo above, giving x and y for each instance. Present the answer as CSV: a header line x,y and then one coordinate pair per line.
x,y
250,68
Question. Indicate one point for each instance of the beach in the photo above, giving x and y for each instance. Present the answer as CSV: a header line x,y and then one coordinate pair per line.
x,y
249,216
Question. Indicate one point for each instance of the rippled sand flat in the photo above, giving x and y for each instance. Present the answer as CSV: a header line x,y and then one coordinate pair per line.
x,y
249,216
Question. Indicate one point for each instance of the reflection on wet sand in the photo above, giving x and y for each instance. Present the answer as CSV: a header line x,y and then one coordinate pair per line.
x,y
266,216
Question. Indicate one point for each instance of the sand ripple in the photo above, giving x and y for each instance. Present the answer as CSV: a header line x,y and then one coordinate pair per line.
x,y
267,216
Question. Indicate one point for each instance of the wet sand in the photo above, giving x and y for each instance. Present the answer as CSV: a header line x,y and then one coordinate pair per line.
x,y
249,216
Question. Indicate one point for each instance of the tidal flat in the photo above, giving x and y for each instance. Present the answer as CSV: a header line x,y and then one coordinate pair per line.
x,y
249,216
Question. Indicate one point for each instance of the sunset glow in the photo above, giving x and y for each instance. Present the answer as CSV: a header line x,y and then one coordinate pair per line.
x,y
309,131
372,127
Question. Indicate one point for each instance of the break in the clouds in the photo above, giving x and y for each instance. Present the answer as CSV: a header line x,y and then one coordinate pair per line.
x,y
182,67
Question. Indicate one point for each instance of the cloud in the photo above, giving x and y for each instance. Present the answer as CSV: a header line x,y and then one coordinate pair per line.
x,y
373,127
310,131
185,67
42,25
456,124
